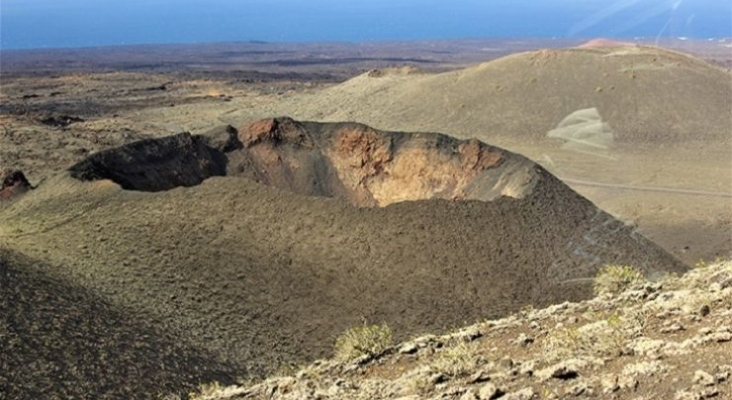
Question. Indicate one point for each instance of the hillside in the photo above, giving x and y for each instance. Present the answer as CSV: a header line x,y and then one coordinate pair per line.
x,y
257,246
60,340
657,340
641,131
521,97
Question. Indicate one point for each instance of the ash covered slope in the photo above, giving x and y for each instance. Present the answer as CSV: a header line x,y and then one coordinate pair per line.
x,y
663,340
628,115
267,270
647,95
60,341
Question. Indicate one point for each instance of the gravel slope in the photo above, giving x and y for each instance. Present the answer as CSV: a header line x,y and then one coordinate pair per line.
x,y
60,341
654,341
259,277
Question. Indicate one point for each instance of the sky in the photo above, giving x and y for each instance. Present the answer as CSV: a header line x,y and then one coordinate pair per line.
x,y
85,23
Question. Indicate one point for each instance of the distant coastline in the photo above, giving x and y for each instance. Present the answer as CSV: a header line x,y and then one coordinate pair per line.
x,y
77,24
725,41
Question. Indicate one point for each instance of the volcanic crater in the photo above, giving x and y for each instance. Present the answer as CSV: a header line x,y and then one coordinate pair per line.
x,y
350,161
256,247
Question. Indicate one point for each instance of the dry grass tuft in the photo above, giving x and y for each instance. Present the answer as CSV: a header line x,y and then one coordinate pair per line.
x,y
614,279
605,338
367,340
456,361
206,390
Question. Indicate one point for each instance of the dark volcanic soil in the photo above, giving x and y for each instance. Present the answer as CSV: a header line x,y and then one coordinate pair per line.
x,y
59,341
260,275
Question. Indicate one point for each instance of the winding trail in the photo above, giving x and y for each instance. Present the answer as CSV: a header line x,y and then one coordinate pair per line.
x,y
646,188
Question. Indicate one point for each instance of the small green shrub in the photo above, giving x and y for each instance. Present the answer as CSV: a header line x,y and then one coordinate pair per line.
x,y
363,340
614,279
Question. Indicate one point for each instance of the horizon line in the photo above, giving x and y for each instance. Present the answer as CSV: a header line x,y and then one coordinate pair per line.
x,y
721,39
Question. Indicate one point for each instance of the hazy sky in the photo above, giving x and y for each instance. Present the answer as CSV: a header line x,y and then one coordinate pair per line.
x,y
78,23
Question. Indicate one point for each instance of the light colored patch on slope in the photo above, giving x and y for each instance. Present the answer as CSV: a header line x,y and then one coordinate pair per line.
x,y
584,131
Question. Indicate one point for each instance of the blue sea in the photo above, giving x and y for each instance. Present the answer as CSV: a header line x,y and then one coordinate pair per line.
x,y
84,23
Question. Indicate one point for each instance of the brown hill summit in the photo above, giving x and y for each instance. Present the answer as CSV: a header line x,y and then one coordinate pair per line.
x,y
648,95
259,245
604,42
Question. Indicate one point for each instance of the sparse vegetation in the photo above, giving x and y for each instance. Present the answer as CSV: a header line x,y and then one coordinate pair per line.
x,y
527,309
607,344
363,340
607,337
701,304
614,279
287,369
206,389
421,385
456,361
563,343
705,263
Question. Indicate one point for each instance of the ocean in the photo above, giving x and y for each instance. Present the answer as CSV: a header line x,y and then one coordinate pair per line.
x,y
85,23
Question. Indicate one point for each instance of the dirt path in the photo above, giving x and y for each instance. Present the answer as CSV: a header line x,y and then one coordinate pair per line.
x,y
646,188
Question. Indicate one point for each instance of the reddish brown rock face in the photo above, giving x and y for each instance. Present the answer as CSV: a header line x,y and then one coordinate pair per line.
x,y
363,149
369,167
14,184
